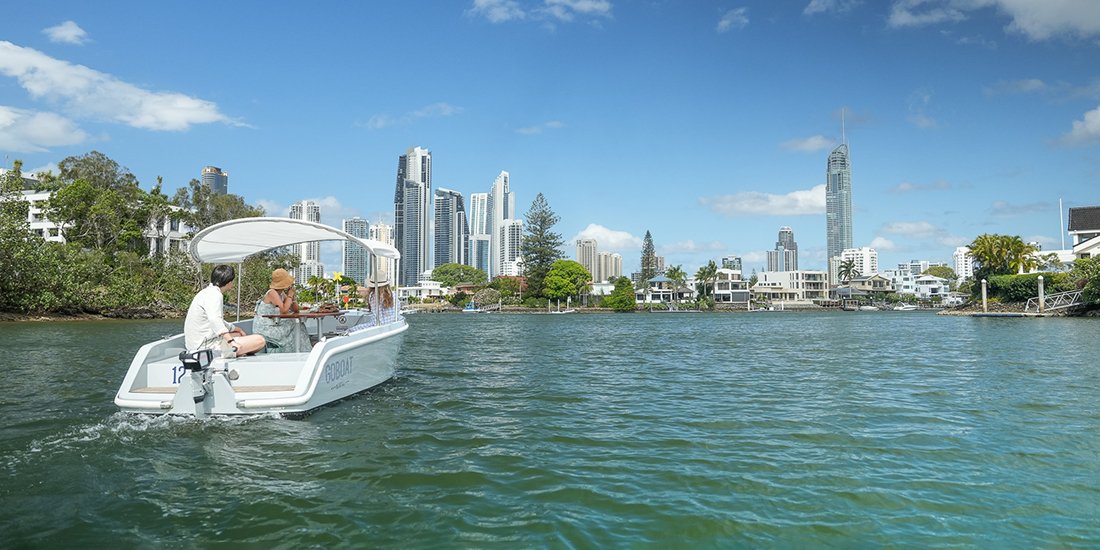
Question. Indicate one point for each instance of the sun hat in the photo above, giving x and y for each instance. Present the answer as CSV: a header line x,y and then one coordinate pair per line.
x,y
377,281
280,279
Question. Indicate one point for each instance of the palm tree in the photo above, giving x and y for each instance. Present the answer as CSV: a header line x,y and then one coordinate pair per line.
x,y
1021,255
847,271
678,277
1002,255
706,274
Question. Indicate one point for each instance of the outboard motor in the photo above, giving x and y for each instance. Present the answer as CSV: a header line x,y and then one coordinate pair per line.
x,y
197,363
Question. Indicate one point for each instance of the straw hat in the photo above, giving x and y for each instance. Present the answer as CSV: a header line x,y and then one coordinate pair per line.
x,y
377,281
280,279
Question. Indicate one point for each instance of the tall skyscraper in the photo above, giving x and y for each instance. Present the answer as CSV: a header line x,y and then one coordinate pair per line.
x,y
785,255
308,253
356,259
480,239
838,201
382,233
587,256
510,237
865,258
412,213
608,267
964,263
215,179
452,233
731,262
502,207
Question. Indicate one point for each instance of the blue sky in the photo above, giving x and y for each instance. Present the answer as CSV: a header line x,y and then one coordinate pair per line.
x,y
706,123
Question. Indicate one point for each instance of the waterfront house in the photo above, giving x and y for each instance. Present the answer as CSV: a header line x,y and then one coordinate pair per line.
x,y
660,290
874,284
1084,227
791,286
730,288
930,286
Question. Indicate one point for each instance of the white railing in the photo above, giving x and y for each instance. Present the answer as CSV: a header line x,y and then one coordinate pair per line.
x,y
1054,302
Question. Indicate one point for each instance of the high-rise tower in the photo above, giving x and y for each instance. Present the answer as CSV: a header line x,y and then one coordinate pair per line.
x,y
502,206
480,239
215,179
588,256
838,201
308,253
357,259
452,233
785,255
412,213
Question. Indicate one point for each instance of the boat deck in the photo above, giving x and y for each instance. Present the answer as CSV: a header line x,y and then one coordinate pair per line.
x,y
238,389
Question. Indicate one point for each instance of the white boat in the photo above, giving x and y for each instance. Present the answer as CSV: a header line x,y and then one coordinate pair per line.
x,y
350,356
868,308
905,307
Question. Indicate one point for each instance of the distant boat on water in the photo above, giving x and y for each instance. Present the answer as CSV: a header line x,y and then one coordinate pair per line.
x,y
905,307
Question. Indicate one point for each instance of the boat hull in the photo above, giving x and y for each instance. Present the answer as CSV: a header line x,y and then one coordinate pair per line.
x,y
338,367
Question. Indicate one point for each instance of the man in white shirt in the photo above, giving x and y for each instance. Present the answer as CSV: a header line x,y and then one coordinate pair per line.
x,y
205,326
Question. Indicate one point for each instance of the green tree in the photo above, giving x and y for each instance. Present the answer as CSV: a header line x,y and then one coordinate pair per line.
x,y
649,260
541,245
678,277
1001,255
508,287
1086,271
450,275
621,298
847,271
941,271
97,170
705,276
204,207
566,278
487,296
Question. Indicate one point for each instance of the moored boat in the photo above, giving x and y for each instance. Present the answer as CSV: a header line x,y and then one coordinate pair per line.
x,y
354,352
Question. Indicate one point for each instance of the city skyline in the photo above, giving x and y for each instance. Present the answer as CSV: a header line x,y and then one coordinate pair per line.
x,y
963,117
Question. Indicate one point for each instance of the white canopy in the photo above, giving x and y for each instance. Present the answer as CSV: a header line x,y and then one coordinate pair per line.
x,y
234,240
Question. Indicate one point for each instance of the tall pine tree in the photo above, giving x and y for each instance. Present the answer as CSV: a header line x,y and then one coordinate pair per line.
x,y
649,259
541,246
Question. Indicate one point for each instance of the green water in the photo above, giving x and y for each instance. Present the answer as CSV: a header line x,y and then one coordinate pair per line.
x,y
685,430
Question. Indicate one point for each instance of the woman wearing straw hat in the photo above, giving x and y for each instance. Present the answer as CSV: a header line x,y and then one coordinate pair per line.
x,y
283,335
380,300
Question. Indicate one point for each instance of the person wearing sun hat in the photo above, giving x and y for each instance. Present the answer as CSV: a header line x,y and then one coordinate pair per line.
x,y
380,300
282,335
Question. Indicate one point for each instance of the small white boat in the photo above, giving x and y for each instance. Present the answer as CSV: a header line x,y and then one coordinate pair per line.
x,y
905,307
868,308
351,355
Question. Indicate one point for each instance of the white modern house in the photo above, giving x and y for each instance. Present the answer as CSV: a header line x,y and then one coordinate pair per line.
x,y
1084,227
730,288
798,287
930,286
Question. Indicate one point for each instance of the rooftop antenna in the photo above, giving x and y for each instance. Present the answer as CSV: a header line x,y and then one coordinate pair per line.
x,y
843,136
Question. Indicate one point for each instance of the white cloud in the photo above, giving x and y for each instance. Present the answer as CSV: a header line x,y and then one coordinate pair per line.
x,y
435,110
609,239
23,131
690,247
915,13
795,203
920,230
882,243
566,10
920,101
1004,209
734,19
906,187
1049,18
85,92
1038,20
503,11
49,167
498,11
1086,130
539,128
1021,86
809,144
67,33
822,6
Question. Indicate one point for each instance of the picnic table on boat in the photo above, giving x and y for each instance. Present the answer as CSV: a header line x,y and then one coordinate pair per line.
x,y
301,316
